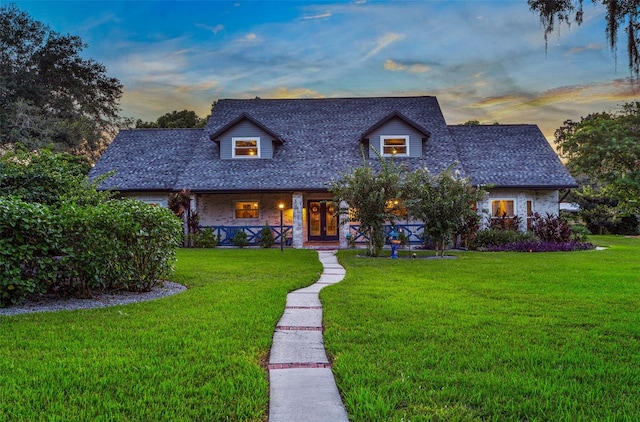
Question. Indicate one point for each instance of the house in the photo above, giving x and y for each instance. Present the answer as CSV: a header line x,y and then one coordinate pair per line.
x,y
261,160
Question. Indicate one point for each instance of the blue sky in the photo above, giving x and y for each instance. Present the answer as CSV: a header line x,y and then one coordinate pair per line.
x,y
483,60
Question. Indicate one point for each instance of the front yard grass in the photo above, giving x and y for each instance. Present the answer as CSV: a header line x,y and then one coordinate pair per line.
x,y
489,336
194,356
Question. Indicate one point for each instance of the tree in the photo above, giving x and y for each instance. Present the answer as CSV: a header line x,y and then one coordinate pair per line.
x,y
619,13
443,202
368,192
49,94
175,119
471,123
606,147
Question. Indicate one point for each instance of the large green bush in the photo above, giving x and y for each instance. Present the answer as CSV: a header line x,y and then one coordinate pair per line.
x,y
117,245
71,249
29,241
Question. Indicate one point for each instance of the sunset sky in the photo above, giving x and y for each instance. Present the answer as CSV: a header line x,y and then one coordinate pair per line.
x,y
483,60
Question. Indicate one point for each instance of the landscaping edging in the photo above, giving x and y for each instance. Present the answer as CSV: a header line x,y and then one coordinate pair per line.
x,y
103,300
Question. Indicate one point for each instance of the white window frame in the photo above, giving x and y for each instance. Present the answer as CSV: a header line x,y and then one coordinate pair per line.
x,y
406,142
234,140
235,209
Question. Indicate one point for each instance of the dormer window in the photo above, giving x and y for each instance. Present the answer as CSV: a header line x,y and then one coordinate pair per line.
x,y
246,147
394,146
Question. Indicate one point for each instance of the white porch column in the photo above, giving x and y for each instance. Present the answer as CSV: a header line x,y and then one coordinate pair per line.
x,y
298,232
343,221
521,200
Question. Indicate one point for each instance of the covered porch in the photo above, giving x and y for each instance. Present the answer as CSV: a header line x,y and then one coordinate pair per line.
x,y
298,219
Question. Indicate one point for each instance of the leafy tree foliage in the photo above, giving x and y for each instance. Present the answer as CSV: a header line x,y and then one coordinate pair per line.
x,y
619,12
49,94
606,147
444,202
175,119
48,178
600,213
368,192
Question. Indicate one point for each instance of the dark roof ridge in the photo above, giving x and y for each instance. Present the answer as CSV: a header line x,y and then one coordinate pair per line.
x,y
327,98
494,125
390,116
245,116
133,129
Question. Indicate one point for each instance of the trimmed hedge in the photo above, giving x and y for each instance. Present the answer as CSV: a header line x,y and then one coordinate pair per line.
x,y
73,250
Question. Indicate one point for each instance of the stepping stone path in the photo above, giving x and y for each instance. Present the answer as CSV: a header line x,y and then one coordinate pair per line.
x,y
301,382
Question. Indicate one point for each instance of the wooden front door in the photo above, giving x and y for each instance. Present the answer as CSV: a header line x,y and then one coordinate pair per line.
x,y
322,220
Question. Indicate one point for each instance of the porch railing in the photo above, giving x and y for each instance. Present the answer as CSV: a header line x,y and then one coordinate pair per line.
x,y
414,233
227,233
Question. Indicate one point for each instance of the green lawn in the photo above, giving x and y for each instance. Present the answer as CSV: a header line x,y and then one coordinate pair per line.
x,y
486,336
195,356
489,336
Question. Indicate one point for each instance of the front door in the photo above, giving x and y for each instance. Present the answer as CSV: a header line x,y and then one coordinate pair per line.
x,y
322,221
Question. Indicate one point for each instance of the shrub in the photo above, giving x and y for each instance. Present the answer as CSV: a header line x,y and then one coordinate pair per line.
x,y
148,237
551,228
266,236
117,245
542,246
206,238
29,242
494,237
580,232
240,239
71,249
505,223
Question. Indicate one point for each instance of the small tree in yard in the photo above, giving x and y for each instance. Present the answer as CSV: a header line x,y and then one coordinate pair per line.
x,y
443,202
266,236
368,191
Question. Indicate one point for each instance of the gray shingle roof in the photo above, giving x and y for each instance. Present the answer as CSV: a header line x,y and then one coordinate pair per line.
x,y
510,156
147,159
320,140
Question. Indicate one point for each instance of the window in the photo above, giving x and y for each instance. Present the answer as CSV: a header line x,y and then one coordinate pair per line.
x,y
529,215
502,208
246,147
247,209
503,214
394,146
396,208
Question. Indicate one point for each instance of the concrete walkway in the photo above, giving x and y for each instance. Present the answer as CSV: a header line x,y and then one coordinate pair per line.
x,y
301,382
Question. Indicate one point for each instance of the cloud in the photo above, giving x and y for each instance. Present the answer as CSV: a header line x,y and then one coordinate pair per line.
x,y
250,37
315,17
214,29
383,42
588,47
394,66
283,92
614,90
197,87
92,23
